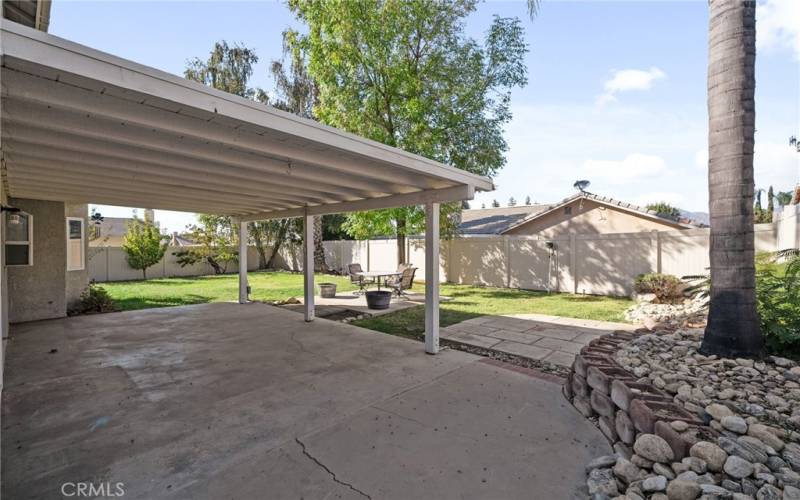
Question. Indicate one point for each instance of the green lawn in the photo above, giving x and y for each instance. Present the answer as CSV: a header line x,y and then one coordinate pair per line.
x,y
468,301
471,301
165,292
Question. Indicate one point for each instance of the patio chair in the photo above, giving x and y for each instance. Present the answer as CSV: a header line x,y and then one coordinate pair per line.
x,y
356,279
405,282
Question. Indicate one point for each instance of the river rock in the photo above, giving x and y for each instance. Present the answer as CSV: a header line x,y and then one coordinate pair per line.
x,y
719,411
653,448
734,424
683,490
766,435
737,467
601,481
711,454
626,470
654,483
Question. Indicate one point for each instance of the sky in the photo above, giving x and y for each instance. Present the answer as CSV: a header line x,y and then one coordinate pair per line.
x,y
616,92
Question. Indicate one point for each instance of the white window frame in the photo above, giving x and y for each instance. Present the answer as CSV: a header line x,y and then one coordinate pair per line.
x,y
83,243
29,243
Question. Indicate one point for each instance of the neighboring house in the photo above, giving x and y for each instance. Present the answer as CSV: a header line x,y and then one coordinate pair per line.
x,y
489,221
111,231
582,213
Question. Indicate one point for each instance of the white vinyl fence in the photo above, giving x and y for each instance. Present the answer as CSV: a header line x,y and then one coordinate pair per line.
x,y
601,264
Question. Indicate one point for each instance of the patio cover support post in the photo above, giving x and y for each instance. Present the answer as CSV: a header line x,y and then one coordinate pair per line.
x,y
308,266
243,236
432,278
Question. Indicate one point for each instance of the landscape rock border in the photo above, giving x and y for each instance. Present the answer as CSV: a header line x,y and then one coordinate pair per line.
x,y
666,446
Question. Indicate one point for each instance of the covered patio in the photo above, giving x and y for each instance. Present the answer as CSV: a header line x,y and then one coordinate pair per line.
x,y
82,126
249,401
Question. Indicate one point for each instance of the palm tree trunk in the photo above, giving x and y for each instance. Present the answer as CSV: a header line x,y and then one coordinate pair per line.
x,y
320,265
733,325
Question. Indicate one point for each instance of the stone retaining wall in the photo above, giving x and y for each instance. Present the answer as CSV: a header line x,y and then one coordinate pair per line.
x,y
624,407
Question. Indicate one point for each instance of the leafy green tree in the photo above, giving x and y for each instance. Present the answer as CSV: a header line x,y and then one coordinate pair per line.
x,y
405,74
144,245
217,241
783,198
664,209
227,68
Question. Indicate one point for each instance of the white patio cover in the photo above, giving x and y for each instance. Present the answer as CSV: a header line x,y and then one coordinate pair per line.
x,y
79,125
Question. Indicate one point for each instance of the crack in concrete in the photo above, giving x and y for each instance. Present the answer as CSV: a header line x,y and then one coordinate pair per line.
x,y
326,469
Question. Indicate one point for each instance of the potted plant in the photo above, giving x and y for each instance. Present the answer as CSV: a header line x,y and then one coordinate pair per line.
x,y
378,299
327,290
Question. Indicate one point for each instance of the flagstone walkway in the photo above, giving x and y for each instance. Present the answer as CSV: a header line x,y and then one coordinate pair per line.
x,y
553,339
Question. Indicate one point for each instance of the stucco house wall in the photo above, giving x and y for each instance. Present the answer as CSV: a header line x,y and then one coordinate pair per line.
x,y
588,217
45,289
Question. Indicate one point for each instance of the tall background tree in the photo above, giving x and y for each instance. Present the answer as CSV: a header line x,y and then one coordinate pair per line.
x,y
733,325
405,74
296,93
229,68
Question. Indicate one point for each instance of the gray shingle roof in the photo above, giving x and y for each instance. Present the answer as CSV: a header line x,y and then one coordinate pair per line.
x,y
495,220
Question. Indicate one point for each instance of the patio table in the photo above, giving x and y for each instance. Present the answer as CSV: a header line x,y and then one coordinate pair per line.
x,y
378,275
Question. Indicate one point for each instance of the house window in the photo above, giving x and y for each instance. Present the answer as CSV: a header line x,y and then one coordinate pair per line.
x,y
19,239
567,210
75,244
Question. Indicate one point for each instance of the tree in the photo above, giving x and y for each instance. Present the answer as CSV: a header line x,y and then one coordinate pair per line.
x,y
759,214
783,198
144,245
495,204
296,93
465,205
527,200
512,202
770,203
227,68
405,74
664,209
483,205
217,243
733,326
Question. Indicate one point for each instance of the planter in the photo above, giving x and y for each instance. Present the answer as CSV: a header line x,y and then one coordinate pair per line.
x,y
327,290
378,299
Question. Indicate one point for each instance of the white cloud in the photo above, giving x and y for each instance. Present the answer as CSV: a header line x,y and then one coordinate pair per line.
x,y
633,166
778,25
776,164
701,159
627,80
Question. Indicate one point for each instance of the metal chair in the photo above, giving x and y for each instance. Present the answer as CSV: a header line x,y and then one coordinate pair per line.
x,y
357,279
405,282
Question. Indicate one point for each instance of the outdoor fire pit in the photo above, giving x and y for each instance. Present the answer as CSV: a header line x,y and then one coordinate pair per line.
x,y
378,299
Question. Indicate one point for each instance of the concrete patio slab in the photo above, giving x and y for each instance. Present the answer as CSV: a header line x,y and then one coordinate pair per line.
x,y
229,401
553,339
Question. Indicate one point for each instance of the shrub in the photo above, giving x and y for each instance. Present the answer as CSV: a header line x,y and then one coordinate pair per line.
x,y
94,299
665,287
778,301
